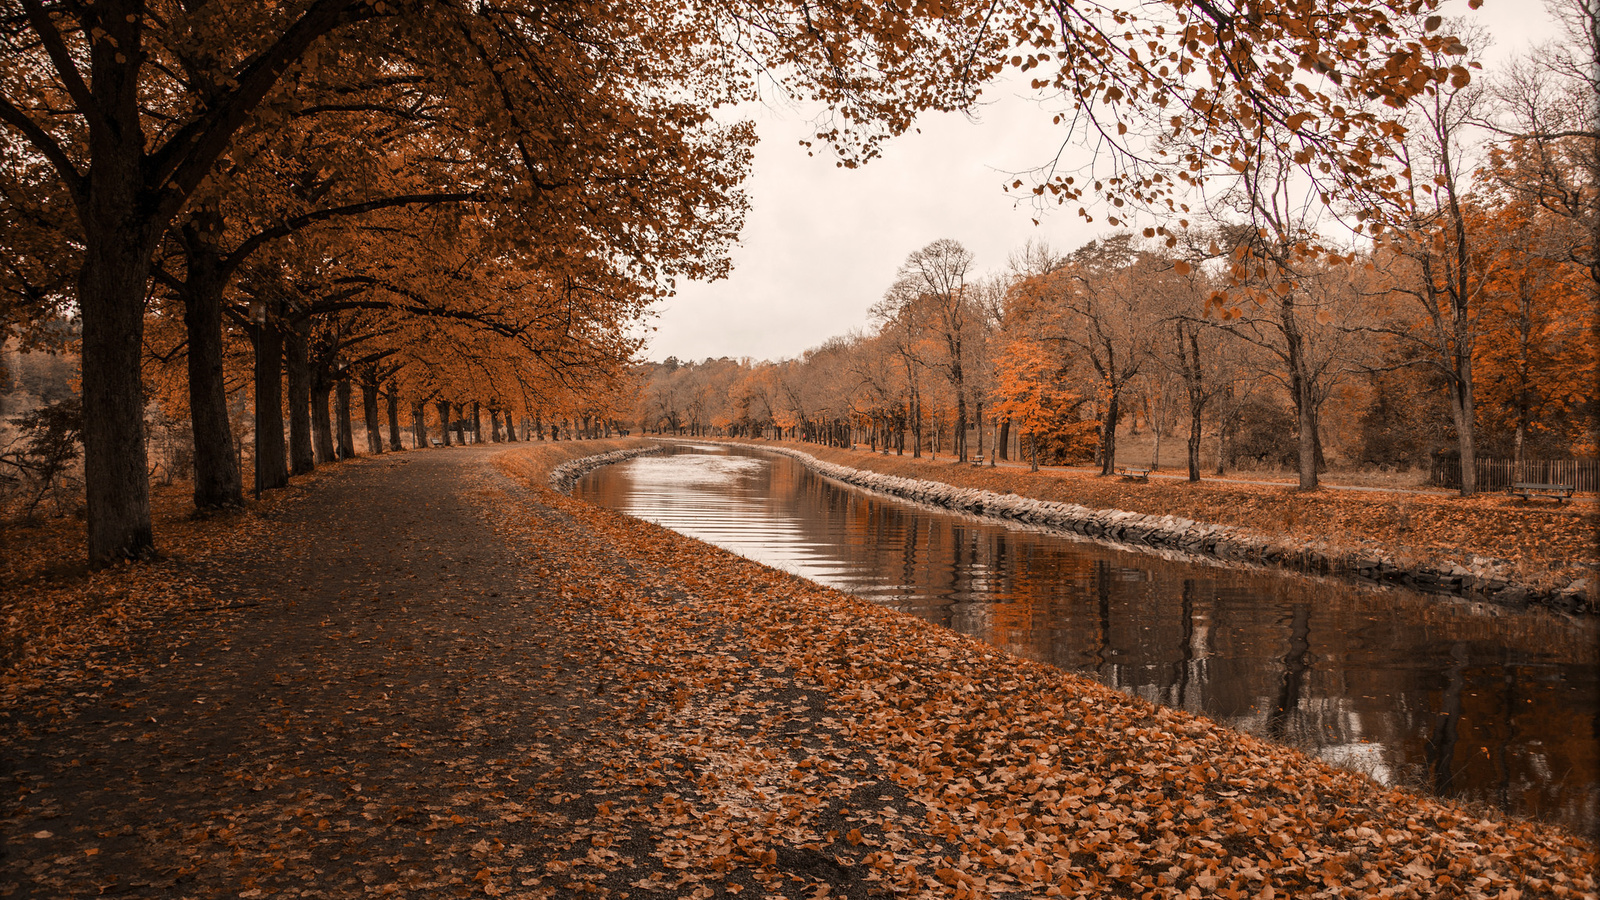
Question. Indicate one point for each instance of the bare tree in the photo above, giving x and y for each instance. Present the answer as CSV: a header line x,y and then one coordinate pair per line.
x,y
1101,303
931,295
1432,250
1546,117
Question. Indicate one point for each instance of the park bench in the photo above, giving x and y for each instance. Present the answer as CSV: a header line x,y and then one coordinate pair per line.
x,y
976,460
1528,490
1130,473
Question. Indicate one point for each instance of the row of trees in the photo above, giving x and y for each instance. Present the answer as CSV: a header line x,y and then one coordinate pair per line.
x,y
474,202
453,205
1063,348
1457,310
1468,319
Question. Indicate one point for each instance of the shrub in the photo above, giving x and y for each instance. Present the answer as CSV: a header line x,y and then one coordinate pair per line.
x,y
41,463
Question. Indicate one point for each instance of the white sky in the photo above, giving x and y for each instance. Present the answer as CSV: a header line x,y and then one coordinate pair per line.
x,y
821,244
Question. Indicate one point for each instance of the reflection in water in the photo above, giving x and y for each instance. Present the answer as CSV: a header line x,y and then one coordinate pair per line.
x,y
1493,706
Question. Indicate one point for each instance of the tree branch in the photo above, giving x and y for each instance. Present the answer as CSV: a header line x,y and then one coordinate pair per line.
x,y
255,242
179,166
46,145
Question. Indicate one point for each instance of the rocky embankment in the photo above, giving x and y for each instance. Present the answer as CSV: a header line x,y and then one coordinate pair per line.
x,y
1483,580
564,476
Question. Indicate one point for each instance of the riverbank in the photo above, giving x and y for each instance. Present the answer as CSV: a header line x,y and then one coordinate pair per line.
x,y
428,673
1485,547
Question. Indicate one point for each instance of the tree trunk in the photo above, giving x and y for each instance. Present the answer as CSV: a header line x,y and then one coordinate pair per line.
x,y
1308,443
1194,439
511,428
1002,444
477,423
119,239
322,421
1300,389
1316,440
1194,387
111,290
1462,413
369,413
444,421
461,424
1155,452
1225,423
392,397
419,426
979,420
916,427
347,436
271,470
958,438
1108,434
302,458
216,466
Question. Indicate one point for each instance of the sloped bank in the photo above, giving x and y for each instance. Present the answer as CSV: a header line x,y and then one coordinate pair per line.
x,y
1226,542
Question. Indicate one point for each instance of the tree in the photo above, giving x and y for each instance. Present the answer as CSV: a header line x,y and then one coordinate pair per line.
x,y
1199,353
1548,124
1101,303
1174,96
1426,231
1288,295
1029,390
1535,360
931,294
42,456
903,341
133,108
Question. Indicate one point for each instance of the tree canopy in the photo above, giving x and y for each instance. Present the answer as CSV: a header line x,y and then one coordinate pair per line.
x,y
270,164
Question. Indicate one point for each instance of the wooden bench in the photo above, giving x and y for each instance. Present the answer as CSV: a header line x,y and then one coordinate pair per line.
x,y
1529,490
976,460
1129,473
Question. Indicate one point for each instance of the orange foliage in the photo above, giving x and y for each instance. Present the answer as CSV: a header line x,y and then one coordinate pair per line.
x,y
1031,392
1535,360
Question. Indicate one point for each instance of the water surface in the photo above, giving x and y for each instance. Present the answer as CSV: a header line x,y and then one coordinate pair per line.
x,y
1459,698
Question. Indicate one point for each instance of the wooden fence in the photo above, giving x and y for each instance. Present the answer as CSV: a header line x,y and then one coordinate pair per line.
x,y
1499,474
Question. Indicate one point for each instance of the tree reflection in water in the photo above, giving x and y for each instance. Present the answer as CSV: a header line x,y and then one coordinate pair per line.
x,y
1445,695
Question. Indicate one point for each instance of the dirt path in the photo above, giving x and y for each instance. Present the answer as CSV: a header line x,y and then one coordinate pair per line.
x,y
431,677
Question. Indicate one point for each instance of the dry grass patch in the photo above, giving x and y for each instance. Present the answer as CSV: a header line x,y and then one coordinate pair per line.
x,y
1545,545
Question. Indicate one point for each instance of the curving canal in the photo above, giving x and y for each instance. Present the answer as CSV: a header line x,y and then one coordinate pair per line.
x,y
1462,700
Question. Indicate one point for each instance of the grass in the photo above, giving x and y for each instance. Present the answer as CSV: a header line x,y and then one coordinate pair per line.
x,y
1538,544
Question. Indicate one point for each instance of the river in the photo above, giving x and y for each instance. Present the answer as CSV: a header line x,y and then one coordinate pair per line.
x,y
1448,696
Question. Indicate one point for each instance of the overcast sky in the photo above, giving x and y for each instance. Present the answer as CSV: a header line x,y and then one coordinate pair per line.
x,y
821,244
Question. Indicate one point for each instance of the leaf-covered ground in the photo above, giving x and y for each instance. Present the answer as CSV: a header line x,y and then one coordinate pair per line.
x,y
1544,545
426,675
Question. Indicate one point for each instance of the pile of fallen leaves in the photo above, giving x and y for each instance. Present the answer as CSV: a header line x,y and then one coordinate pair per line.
x,y
56,615
1540,543
1017,779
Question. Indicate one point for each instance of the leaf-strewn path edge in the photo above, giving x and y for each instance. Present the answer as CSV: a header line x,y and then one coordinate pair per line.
x,y
1357,541
431,675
